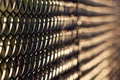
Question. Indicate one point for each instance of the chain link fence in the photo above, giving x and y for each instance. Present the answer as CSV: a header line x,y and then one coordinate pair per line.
x,y
58,39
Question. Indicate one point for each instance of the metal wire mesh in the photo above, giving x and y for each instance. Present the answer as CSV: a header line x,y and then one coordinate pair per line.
x,y
45,39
